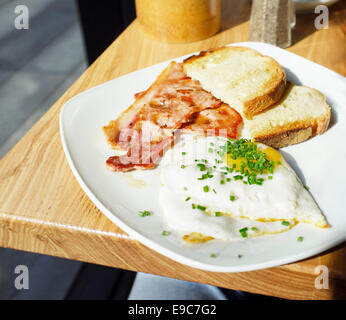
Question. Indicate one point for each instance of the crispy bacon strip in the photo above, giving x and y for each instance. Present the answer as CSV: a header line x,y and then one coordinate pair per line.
x,y
145,130
223,121
137,160
128,118
167,104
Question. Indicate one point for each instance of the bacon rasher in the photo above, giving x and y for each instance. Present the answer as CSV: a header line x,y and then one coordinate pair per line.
x,y
174,101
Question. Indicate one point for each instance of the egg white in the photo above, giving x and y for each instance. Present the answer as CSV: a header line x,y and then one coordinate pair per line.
x,y
259,208
180,217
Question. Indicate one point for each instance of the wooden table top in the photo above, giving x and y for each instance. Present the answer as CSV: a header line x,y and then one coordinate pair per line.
x,y
44,210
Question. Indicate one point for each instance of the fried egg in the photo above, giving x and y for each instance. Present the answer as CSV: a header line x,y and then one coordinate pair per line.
x,y
215,188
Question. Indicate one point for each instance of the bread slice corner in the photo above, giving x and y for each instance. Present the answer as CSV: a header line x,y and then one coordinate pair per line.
x,y
300,114
241,77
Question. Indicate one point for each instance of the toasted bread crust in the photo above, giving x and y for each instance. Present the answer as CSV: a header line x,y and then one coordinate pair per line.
x,y
286,137
323,123
202,54
268,98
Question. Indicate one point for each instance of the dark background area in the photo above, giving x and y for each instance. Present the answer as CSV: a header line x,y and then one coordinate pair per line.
x,y
102,21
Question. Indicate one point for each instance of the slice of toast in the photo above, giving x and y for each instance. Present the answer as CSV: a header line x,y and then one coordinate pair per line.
x,y
301,114
239,76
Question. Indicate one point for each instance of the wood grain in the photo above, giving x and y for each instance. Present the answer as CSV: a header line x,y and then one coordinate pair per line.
x,y
43,209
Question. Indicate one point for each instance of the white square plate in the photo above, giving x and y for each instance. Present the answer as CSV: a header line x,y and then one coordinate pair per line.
x,y
319,162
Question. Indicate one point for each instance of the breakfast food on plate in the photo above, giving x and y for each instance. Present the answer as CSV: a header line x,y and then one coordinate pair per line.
x,y
231,189
145,130
215,184
240,77
300,114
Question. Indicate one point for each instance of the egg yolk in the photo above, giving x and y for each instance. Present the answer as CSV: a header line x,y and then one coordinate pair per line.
x,y
195,237
271,155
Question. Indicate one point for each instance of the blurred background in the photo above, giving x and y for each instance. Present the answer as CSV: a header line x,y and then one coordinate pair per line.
x,y
37,66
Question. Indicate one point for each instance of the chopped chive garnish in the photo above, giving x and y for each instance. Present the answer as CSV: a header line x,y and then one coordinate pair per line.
x,y
243,232
240,255
228,179
188,198
253,161
285,223
232,198
214,191
210,150
201,166
212,144
193,206
144,213
212,255
270,177
300,239
206,188
185,188
201,207
222,182
254,229
183,166
165,233
217,214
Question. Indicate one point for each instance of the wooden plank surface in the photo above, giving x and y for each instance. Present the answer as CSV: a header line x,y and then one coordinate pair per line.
x,y
43,209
